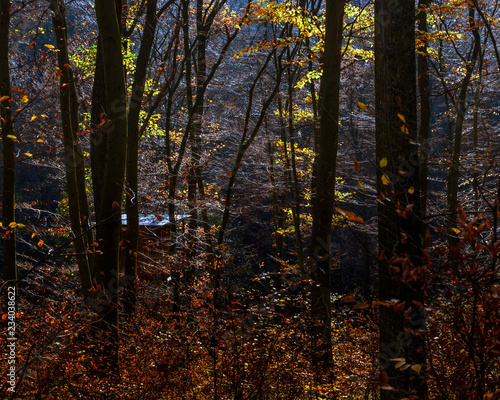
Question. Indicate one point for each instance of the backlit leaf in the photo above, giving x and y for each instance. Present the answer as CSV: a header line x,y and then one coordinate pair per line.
x,y
383,162
3,98
362,106
349,215
49,46
385,180
416,368
402,118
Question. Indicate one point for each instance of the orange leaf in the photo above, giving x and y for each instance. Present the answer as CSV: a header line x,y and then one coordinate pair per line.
x,y
350,216
115,204
40,243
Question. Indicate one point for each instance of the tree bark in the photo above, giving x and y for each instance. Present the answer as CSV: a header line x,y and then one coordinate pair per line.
x,y
109,218
326,163
460,109
132,206
425,106
74,161
398,196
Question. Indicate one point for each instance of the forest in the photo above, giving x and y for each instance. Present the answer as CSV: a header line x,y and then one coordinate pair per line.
x,y
250,199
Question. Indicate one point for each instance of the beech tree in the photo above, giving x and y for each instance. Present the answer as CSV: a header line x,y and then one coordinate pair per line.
x,y
326,162
79,210
109,218
401,273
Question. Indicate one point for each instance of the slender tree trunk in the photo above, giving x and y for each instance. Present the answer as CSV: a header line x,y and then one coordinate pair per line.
x,y
75,168
9,155
326,162
425,106
98,139
132,206
460,109
278,213
109,226
399,221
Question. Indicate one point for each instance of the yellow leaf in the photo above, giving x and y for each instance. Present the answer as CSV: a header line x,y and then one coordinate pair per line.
x,y
416,368
33,118
21,225
28,154
383,162
399,364
362,106
24,99
385,180
40,141
456,230
43,116
404,129
411,190
12,224
361,185
11,137
3,98
402,118
49,46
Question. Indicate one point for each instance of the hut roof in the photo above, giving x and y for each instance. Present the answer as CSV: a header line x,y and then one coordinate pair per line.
x,y
153,219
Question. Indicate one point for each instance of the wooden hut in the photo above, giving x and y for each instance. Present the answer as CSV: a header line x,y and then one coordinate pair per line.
x,y
154,236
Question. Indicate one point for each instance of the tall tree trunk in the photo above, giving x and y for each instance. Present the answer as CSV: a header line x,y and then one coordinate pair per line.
x,y
399,220
109,218
132,206
9,155
425,106
460,109
75,168
98,142
326,162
